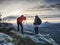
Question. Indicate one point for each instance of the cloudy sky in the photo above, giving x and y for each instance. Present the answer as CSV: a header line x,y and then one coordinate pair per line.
x,y
29,7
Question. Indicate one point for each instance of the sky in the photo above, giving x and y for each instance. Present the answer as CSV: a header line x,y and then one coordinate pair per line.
x,y
13,7
29,7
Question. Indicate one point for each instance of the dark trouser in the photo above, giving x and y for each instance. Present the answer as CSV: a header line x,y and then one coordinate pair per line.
x,y
36,30
20,24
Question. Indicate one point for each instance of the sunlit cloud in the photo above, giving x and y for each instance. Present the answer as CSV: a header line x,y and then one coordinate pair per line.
x,y
29,7
8,7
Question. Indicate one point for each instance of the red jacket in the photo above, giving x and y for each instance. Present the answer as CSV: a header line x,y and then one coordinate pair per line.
x,y
20,19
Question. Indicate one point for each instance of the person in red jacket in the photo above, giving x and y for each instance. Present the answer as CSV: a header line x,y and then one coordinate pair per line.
x,y
19,22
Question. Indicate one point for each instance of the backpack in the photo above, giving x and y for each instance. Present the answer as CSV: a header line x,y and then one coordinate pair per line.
x,y
37,21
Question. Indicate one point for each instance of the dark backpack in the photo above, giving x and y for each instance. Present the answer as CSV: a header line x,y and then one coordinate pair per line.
x,y
37,21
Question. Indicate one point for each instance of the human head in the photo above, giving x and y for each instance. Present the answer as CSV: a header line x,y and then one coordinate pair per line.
x,y
36,16
22,15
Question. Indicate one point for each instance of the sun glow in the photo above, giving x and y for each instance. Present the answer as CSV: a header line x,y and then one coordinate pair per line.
x,y
28,20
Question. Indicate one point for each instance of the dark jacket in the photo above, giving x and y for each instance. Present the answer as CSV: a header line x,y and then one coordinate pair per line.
x,y
37,21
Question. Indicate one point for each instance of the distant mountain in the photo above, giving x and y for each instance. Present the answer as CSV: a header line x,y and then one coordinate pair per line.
x,y
10,17
48,24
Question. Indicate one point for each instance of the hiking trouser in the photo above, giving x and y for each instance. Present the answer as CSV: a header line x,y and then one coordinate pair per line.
x,y
20,24
36,29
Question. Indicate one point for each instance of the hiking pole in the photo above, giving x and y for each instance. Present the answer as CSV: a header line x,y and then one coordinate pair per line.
x,y
25,22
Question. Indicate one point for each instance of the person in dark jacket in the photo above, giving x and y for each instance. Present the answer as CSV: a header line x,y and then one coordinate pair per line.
x,y
19,22
37,22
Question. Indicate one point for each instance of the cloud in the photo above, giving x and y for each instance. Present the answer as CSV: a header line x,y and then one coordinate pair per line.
x,y
13,7
1,1
52,1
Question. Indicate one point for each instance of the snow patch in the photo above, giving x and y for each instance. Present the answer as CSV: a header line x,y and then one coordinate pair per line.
x,y
3,40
